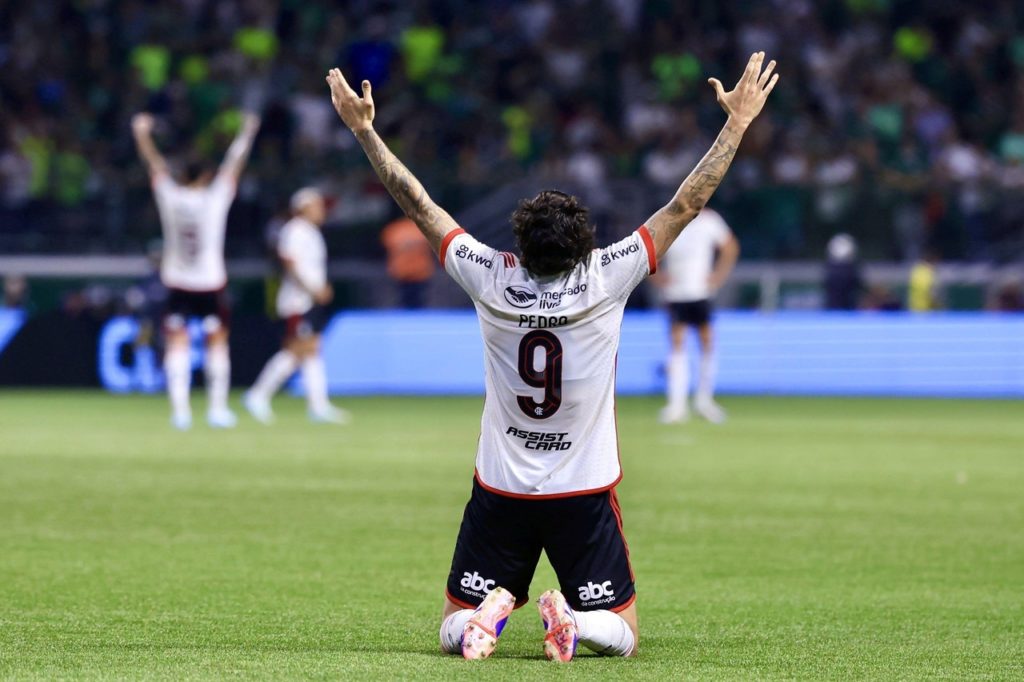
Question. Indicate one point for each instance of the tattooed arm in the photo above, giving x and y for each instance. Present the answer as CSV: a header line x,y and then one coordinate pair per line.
x,y
433,221
666,224
357,113
743,104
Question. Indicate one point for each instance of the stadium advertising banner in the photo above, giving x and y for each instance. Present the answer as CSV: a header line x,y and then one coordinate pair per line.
x,y
939,354
440,352
10,322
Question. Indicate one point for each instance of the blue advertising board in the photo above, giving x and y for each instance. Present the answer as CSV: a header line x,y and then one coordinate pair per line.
x,y
885,354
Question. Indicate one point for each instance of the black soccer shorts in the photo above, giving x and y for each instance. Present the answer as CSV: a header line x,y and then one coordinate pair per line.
x,y
310,323
694,313
501,539
209,306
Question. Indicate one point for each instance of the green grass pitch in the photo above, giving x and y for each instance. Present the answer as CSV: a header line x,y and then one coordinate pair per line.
x,y
805,539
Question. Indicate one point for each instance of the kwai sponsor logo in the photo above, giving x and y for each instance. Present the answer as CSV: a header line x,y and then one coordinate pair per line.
x,y
466,254
610,254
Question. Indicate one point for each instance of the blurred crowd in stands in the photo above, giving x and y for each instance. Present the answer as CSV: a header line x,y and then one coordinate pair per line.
x,y
899,122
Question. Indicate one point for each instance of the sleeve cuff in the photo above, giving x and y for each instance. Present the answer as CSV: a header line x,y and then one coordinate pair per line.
x,y
446,242
652,259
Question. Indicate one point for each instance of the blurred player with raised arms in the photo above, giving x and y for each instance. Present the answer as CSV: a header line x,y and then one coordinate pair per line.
x,y
688,283
193,216
301,303
547,460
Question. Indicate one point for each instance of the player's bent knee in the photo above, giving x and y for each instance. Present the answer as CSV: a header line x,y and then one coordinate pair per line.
x,y
454,618
450,607
628,614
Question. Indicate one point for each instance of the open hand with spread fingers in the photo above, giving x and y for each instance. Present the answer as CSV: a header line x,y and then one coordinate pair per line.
x,y
743,103
355,111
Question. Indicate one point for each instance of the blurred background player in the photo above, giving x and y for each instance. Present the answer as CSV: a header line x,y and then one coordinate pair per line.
x,y
193,215
301,302
844,283
691,277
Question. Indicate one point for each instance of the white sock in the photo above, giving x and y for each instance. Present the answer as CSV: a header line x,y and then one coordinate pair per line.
x,y
678,378
452,629
708,371
604,632
218,376
277,370
178,372
314,375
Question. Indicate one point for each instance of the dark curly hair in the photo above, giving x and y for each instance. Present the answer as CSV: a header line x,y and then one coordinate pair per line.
x,y
553,232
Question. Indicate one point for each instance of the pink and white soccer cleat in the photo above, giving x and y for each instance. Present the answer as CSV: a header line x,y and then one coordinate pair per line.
x,y
561,638
480,636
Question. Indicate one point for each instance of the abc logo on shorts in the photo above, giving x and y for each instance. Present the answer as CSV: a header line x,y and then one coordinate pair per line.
x,y
474,581
592,591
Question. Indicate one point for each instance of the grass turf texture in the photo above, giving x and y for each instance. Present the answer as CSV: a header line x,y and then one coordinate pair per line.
x,y
807,538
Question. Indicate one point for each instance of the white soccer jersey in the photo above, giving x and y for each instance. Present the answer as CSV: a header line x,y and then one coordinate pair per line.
x,y
300,242
194,221
687,264
550,344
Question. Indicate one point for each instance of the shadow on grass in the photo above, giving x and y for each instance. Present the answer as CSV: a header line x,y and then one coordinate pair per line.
x,y
583,656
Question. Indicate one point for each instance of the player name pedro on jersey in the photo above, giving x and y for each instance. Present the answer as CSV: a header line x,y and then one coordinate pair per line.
x,y
543,321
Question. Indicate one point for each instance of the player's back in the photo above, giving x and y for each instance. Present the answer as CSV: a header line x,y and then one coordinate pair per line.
x,y
688,263
194,220
548,426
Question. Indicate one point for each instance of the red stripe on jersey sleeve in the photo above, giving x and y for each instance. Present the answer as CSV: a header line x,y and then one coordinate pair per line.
x,y
446,242
652,259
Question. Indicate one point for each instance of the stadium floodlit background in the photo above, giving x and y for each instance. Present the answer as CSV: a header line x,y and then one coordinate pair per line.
x,y
860,513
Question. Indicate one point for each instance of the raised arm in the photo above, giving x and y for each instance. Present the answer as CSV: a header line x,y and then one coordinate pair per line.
x,y
743,103
238,153
142,130
357,113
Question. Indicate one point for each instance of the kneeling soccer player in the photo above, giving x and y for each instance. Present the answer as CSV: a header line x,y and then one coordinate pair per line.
x,y
547,462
